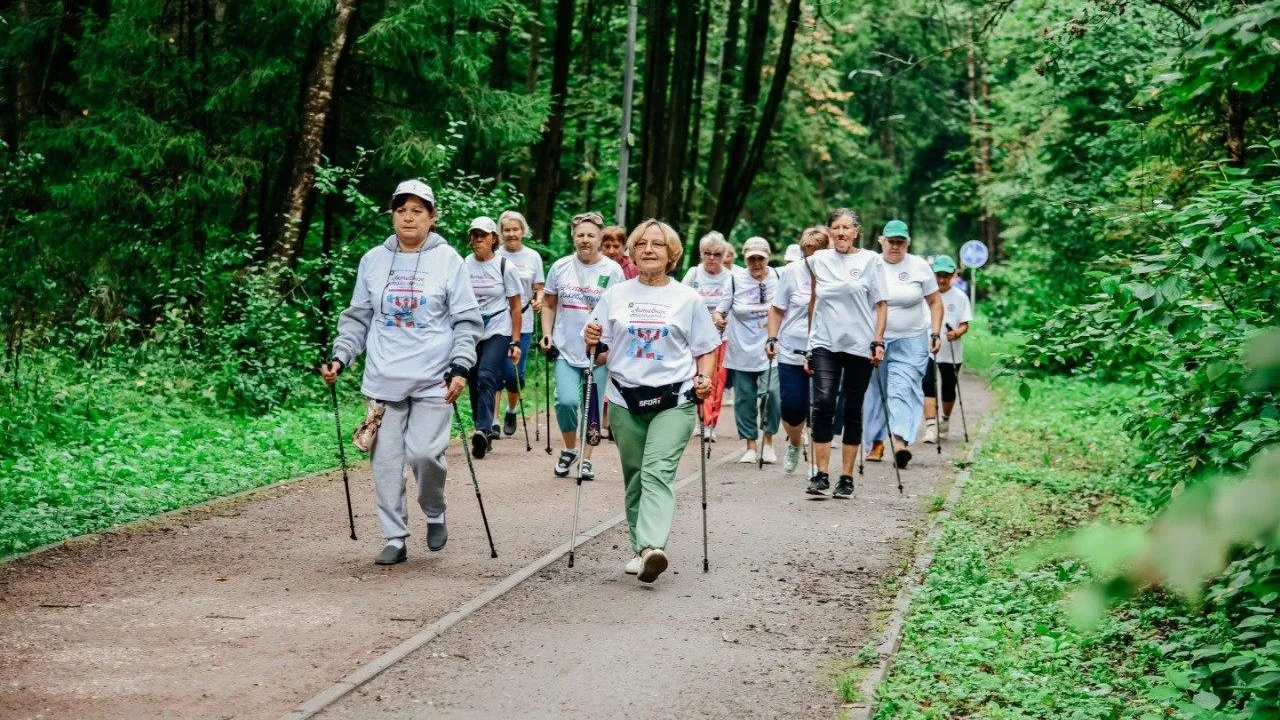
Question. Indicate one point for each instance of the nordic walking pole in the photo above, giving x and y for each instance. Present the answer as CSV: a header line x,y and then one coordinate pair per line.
x,y
702,454
581,447
342,455
764,413
888,427
546,391
520,399
959,397
466,451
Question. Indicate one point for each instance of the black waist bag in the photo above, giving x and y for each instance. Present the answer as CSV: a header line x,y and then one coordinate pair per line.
x,y
649,399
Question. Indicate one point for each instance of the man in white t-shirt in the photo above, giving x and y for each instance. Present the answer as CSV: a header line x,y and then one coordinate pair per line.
x,y
956,314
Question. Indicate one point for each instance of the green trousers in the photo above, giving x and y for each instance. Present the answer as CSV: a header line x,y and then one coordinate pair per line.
x,y
650,446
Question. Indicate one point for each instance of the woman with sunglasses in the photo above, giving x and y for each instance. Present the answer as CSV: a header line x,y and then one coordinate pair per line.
x,y
574,286
847,314
788,342
711,279
662,357
414,316
496,283
742,316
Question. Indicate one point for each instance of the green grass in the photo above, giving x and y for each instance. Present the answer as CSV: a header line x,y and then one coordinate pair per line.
x,y
86,453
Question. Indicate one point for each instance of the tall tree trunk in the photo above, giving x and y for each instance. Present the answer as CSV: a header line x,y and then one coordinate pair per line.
x,y
738,185
657,65
315,113
980,142
27,84
546,179
535,48
724,99
679,110
586,171
695,132
1237,116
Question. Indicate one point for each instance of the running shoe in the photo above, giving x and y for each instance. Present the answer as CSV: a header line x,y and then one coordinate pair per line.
x,y
652,564
437,534
479,444
634,565
844,488
792,459
748,457
819,484
565,462
509,423
770,456
587,472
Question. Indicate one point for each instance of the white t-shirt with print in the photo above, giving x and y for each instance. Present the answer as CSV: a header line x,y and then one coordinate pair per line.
x,y
492,292
748,315
712,288
529,266
654,335
577,288
907,283
792,298
414,297
848,287
955,310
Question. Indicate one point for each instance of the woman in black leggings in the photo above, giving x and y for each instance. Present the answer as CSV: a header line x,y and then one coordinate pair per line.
x,y
847,312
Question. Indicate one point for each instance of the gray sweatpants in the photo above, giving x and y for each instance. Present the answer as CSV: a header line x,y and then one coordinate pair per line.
x,y
414,431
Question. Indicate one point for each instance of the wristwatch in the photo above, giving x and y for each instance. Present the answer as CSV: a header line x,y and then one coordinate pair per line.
x,y
935,336
513,344
876,344
700,375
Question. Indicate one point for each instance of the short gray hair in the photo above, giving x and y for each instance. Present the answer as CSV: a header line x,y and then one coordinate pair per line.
x,y
713,241
514,217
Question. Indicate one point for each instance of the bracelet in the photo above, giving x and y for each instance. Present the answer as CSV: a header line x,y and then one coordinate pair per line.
x,y
772,340
876,344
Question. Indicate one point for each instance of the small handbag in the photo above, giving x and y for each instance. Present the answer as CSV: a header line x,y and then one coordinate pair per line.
x,y
365,435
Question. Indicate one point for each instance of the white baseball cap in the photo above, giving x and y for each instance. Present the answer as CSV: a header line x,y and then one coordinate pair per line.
x,y
418,189
755,247
485,224
793,253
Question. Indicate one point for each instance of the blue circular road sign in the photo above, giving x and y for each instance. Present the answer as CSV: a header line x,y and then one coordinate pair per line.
x,y
973,254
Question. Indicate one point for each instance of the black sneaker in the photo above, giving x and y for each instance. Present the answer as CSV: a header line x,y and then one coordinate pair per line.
x,y
818,484
844,487
509,424
565,462
495,432
479,444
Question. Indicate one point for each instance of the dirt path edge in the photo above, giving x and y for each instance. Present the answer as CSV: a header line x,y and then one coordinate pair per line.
x,y
891,640
374,667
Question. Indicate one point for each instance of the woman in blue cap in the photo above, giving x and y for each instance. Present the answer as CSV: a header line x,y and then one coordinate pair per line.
x,y
911,336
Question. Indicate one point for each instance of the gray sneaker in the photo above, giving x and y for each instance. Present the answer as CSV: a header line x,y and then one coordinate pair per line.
x,y
437,536
391,555
587,471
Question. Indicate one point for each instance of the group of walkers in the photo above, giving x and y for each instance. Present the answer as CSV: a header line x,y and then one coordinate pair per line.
x,y
841,340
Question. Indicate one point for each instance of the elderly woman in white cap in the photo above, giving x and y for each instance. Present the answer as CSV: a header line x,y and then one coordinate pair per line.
x,y
496,284
574,286
711,279
528,263
743,315
414,316
910,337
663,344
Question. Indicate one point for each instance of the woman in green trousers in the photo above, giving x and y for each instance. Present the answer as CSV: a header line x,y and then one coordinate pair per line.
x,y
661,346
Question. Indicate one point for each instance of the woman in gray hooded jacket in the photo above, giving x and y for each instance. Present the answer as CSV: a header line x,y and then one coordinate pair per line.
x,y
414,316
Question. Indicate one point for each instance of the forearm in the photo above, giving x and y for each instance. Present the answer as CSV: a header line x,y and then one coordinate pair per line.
x,y
548,317
882,319
775,322
517,317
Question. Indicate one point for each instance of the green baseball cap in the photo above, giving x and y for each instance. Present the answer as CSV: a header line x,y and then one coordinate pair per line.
x,y
896,228
944,263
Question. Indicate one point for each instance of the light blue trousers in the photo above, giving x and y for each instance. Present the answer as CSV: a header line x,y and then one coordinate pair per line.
x,y
569,393
905,360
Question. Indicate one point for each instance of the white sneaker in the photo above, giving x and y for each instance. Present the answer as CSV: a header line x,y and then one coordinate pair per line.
x,y
944,426
930,431
770,456
792,459
713,435
633,566
748,457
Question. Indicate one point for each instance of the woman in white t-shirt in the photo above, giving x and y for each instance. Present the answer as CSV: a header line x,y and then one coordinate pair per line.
x,y
528,263
911,335
956,314
573,288
496,284
661,351
848,315
414,317
711,279
743,316
788,341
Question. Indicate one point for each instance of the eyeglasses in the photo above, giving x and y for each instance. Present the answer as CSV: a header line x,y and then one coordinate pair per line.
x,y
591,217
711,254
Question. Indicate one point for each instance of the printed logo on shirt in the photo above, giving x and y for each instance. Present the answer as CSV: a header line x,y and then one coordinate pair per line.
x,y
646,325
902,276
402,297
855,273
951,307
602,281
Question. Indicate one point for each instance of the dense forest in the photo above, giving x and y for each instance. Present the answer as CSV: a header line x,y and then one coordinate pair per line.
x,y
186,186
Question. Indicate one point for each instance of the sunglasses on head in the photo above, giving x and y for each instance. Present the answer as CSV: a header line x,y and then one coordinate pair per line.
x,y
591,217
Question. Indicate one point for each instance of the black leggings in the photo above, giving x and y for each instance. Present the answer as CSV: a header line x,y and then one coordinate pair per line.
x,y
832,372
949,373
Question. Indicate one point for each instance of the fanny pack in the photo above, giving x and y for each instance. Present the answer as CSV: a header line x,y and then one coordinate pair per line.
x,y
649,399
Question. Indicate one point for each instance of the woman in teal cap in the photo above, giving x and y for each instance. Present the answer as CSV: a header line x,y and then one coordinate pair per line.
x,y
912,334
956,314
